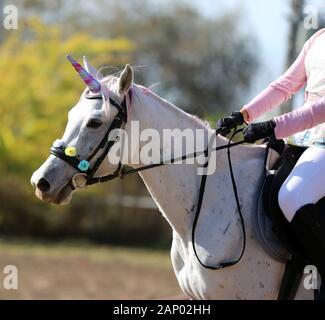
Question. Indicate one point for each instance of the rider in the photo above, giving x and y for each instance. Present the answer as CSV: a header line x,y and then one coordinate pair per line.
x,y
304,126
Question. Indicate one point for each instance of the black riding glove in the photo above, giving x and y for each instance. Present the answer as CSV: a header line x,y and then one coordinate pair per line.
x,y
258,131
225,125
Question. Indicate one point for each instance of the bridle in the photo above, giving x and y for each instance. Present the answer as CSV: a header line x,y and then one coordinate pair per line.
x,y
105,145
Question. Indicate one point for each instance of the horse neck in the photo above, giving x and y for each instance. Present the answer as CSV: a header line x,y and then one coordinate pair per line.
x,y
173,187
154,112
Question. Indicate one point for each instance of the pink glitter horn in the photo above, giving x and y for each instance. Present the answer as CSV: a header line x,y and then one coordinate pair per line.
x,y
89,80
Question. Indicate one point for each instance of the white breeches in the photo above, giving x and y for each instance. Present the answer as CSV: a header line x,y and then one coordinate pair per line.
x,y
305,184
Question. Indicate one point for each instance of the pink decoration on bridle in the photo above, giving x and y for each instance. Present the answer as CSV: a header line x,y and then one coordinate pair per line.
x,y
93,84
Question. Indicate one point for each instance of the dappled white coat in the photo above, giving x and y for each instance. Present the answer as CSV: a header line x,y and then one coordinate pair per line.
x,y
219,234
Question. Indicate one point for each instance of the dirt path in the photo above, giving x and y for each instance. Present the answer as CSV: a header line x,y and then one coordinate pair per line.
x,y
87,272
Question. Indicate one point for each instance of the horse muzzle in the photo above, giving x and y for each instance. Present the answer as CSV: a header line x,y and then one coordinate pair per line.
x,y
43,191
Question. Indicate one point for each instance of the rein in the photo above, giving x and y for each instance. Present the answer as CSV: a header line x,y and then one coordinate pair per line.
x,y
117,123
222,265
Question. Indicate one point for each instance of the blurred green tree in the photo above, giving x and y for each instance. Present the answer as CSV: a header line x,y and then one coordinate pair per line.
x,y
37,89
203,64
39,86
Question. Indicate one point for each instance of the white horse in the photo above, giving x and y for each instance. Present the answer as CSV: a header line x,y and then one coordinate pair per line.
x,y
175,190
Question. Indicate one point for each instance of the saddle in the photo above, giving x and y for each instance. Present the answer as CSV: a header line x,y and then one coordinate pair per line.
x,y
272,228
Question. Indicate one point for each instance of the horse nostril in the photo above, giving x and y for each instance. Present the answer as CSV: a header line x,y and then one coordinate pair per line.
x,y
43,185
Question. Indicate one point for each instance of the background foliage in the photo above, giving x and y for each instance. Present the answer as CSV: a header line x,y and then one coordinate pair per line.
x,y
40,87
203,65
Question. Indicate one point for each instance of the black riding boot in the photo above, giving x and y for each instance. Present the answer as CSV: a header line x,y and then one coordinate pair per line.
x,y
309,226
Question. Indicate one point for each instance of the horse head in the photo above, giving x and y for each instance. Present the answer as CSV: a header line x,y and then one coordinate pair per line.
x,y
74,156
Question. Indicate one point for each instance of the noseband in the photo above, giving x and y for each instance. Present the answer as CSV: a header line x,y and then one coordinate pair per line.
x,y
83,165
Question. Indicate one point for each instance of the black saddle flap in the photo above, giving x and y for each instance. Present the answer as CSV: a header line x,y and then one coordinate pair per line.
x,y
287,161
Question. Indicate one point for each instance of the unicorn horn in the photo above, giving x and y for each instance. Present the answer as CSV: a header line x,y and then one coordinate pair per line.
x,y
89,80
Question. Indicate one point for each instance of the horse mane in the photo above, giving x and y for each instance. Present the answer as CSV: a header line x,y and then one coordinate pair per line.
x,y
147,91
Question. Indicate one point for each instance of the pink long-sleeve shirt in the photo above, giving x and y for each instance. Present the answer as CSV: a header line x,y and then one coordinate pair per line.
x,y
279,91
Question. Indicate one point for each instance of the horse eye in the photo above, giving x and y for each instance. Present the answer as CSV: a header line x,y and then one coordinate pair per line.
x,y
94,123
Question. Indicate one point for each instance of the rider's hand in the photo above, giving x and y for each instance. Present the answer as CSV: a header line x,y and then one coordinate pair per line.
x,y
225,125
258,131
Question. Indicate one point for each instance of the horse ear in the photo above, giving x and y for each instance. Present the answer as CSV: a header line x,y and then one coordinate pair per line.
x,y
126,79
92,70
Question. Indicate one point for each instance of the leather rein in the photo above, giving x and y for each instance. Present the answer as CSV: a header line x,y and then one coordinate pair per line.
x,y
118,122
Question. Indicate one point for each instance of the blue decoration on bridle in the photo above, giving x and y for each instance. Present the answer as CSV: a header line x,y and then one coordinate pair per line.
x,y
83,165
